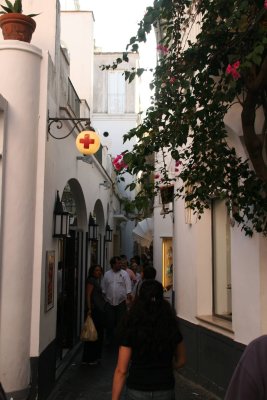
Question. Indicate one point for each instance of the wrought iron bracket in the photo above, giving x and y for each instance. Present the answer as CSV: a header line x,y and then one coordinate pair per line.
x,y
59,124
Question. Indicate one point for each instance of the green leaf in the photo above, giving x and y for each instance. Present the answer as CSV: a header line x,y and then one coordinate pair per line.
x,y
10,6
18,6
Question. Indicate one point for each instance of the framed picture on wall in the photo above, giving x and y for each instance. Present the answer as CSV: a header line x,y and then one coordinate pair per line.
x,y
49,280
167,262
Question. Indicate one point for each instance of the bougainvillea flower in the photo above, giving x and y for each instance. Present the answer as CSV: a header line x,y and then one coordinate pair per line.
x,y
232,70
119,163
237,63
172,80
265,4
162,48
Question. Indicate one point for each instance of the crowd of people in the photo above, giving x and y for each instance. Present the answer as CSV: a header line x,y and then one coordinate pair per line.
x,y
130,313
109,296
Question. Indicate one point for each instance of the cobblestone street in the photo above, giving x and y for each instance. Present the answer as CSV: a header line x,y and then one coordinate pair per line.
x,y
82,382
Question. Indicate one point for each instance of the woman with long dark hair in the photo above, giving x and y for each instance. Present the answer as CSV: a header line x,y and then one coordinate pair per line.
x,y
96,308
151,346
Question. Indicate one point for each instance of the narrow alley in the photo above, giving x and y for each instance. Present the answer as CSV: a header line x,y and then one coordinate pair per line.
x,y
84,382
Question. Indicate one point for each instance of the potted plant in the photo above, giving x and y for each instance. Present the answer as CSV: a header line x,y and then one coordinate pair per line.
x,y
14,24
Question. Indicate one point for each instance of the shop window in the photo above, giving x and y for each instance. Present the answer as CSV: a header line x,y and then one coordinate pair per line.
x,y
116,92
221,252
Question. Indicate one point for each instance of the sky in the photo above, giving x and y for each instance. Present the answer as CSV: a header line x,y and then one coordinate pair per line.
x,y
116,21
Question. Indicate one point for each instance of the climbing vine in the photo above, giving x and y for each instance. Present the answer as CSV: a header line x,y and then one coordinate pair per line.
x,y
212,56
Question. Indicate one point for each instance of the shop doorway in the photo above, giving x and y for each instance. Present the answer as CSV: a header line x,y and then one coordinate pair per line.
x,y
70,293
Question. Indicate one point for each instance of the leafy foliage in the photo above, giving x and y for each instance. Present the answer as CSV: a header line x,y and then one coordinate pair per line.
x,y
212,55
14,8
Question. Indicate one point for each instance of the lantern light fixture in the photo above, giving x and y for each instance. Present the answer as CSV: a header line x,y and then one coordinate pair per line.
x,y
108,234
61,220
92,229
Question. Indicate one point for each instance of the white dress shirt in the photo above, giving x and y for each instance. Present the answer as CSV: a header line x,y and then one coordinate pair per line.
x,y
116,286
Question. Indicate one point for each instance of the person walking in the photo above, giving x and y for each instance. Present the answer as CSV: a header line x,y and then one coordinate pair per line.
x,y
151,345
117,289
146,273
96,304
249,381
125,267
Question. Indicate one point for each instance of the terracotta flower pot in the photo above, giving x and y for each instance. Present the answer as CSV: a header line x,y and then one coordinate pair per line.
x,y
17,26
167,193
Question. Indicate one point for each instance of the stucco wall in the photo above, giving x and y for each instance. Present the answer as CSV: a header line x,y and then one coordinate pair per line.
x,y
19,198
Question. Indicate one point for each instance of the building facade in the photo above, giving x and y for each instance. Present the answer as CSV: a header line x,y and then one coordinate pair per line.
x,y
116,111
218,275
45,86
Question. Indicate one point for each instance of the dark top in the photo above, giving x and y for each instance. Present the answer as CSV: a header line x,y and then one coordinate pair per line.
x,y
98,300
249,381
150,371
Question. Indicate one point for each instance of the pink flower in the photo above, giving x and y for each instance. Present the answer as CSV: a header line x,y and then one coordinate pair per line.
x,y
265,4
229,69
162,48
172,79
236,75
157,176
237,63
232,69
119,163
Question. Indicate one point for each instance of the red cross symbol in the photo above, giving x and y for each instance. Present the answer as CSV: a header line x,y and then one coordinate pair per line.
x,y
87,141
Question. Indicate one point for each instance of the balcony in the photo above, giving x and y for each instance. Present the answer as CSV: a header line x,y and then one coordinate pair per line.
x,y
73,99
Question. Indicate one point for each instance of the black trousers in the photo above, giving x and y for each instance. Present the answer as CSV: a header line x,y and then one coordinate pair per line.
x,y
92,351
114,314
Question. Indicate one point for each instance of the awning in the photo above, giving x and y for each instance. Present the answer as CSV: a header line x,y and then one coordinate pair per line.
x,y
143,232
120,218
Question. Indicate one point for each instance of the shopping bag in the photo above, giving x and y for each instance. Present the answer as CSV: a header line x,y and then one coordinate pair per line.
x,y
89,332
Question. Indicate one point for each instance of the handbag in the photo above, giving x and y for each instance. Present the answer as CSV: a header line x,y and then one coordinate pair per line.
x,y
89,332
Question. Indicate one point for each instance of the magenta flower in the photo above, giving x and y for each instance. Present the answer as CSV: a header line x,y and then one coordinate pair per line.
x,y
265,4
162,48
232,69
172,79
119,163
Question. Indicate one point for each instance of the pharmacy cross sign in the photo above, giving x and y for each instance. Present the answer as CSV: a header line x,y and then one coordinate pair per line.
x,y
86,141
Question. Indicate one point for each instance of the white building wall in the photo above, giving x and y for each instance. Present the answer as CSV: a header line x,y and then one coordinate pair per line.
x,y
33,167
19,199
193,277
117,125
77,35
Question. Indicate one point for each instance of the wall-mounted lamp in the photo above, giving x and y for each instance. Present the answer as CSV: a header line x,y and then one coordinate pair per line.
x,y
108,234
92,229
61,220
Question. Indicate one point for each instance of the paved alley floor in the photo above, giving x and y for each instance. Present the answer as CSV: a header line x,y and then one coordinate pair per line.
x,y
84,382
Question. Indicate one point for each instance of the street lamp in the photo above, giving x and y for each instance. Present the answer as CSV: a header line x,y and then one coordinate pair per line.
x,y
61,220
108,234
92,229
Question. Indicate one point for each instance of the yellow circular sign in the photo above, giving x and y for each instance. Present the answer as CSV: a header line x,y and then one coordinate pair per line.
x,y
87,142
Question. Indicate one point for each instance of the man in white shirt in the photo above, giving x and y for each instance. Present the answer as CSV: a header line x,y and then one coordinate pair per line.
x,y
116,286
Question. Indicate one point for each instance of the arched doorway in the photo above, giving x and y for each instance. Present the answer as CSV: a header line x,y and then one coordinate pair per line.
x,y
70,272
95,250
